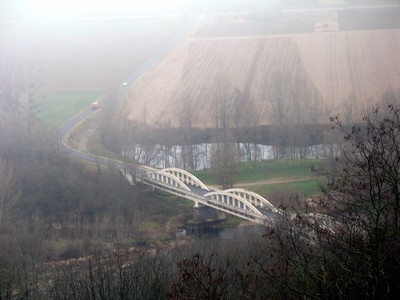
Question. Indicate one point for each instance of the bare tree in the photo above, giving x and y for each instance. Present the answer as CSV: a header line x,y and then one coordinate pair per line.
x,y
349,108
281,95
9,192
347,244
224,161
221,103
11,89
295,101
239,108
207,276
186,111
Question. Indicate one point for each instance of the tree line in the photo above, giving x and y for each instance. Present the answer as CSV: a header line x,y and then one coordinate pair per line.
x,y
51,206
343,244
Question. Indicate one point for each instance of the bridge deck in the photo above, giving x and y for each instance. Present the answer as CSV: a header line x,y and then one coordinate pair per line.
x,y
218,199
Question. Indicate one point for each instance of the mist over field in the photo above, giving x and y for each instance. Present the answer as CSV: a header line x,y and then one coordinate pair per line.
x,y
91,8
93,44
100,38
199,149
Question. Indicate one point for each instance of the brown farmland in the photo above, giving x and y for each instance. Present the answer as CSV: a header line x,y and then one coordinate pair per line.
x,y
310,76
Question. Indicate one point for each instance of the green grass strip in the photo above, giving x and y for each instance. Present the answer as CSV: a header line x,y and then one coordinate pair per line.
x,y
57,107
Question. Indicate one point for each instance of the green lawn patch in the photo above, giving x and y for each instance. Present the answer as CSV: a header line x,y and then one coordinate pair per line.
x,y
95,146
308,188
288,174
57,107
270,169
288,169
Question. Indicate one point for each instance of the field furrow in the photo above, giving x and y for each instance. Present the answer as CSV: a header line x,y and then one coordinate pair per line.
x,y
316,74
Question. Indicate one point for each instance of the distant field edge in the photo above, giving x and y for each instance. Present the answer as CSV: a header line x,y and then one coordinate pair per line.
x,y
347,19
58,106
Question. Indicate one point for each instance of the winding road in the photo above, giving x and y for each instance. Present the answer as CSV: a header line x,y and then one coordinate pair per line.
x,y
64,130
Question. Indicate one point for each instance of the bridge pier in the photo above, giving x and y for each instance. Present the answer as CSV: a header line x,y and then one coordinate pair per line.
x,y
203,212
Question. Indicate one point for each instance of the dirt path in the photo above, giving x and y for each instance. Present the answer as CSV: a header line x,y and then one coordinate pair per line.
x,y
272,181
82,144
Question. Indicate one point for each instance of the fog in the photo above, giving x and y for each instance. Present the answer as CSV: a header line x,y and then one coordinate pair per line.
x,y
92,8
94,44
97,44
101,101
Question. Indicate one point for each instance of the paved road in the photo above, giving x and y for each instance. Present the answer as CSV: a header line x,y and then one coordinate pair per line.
x,y
64,129
162,52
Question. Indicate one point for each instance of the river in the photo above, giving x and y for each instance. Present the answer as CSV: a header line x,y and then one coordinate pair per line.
x,y
199,156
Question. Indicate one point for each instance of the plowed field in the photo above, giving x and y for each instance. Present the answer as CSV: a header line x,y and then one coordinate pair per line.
x,y
322,71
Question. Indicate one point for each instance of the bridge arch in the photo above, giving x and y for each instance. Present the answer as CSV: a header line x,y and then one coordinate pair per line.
x,y
231,199
128,175
186,177
167,178
253,198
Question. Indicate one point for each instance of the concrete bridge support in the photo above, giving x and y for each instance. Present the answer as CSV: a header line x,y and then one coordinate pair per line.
x,y
203,212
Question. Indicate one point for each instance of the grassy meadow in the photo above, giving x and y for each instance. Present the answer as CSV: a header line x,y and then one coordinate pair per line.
x,y
56,107
269,177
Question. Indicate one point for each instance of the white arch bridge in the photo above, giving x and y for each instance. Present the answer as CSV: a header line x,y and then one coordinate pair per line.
x,y
239,202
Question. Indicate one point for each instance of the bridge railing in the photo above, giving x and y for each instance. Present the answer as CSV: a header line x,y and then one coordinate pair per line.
x,y
151,177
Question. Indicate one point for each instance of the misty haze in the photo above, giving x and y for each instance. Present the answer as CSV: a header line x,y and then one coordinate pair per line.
x,y
198,149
